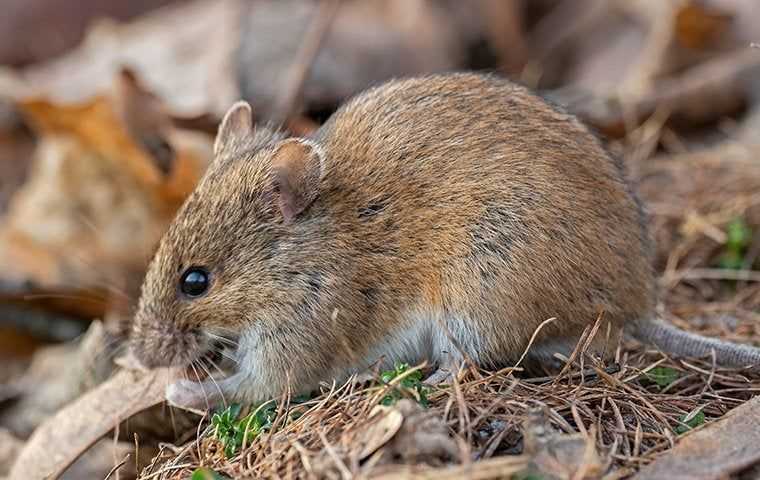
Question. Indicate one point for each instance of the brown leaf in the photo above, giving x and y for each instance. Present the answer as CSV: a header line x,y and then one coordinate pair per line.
x,y
64,437
105,181
185,53
697,25
723,447
380,432
10,446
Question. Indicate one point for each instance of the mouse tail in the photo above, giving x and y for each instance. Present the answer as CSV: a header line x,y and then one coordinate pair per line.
x,y
677,342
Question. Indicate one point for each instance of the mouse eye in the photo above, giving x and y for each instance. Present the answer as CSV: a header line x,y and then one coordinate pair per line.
x,y
194,282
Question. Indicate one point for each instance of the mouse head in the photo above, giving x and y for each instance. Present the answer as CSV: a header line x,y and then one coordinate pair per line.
x,y
234,257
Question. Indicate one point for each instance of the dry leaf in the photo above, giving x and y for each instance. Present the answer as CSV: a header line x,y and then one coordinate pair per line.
x,y
184,52
10,446
388,422
100,192
45,387
59,441
402,434
721,448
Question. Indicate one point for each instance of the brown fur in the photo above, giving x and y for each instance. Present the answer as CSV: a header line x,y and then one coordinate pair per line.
x,y
462,199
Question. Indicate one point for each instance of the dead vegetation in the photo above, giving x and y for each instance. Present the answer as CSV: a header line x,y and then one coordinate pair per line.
x,y
588,421
99,147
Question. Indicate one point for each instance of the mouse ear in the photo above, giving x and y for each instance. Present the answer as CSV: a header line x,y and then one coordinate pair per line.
x,y
236,126
297,169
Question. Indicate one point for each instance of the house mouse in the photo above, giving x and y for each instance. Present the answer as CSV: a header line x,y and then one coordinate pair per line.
x,y
429,219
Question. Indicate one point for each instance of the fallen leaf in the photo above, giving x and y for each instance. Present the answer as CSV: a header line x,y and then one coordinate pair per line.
x,y
185,53
79,425
698,25
10,446
403,433
105,181
723,447
389,421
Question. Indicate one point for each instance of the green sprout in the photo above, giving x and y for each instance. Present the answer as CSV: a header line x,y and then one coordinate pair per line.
x,y
738,240
232,431
689,421
662,376
207,474
411,383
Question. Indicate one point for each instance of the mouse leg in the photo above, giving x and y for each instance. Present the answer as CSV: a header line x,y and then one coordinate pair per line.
x,y
441,375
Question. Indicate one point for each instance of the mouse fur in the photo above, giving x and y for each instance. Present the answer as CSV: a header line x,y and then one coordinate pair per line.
x,y
429,219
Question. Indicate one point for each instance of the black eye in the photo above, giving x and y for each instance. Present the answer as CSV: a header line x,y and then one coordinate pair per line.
x,y
194,282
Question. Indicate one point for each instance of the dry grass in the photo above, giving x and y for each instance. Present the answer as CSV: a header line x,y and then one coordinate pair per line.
x,y
634,418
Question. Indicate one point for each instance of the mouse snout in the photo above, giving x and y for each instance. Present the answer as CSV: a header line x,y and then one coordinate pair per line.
x,y
164,347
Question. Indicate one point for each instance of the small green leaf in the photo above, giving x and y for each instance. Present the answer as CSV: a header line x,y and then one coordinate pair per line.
x,y
232,432
207,474
662,376
412,381
731,260
738,239
738,234
695,421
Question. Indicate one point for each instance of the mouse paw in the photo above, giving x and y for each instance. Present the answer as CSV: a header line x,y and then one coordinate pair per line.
x,y
441,375
191,395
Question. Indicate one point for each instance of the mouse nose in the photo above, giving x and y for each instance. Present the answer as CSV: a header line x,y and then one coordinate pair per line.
x,y
164,347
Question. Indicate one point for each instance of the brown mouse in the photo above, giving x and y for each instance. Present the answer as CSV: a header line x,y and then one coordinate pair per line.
x,y
428,219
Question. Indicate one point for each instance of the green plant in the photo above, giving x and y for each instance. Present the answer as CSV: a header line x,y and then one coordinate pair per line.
x,y
662,376
738,239
232,431
527,475
689,421
207,474
411,383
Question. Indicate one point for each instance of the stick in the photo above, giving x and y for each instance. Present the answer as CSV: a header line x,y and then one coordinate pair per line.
x,y
296,78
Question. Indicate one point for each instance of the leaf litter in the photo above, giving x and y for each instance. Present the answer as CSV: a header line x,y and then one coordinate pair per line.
x,y
593,419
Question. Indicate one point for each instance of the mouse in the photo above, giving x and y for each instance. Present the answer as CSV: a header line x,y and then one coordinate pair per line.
x,y
435,219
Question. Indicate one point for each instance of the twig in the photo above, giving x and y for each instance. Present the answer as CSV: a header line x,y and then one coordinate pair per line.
x,y
117,466
344,471
712,274
299,70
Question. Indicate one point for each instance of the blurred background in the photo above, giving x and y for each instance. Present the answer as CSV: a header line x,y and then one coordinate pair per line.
x,y
108,111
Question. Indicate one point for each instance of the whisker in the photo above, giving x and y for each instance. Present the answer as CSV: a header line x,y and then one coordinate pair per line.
x,y
222,339
213,364
203,390
229,357
166,405
218,388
